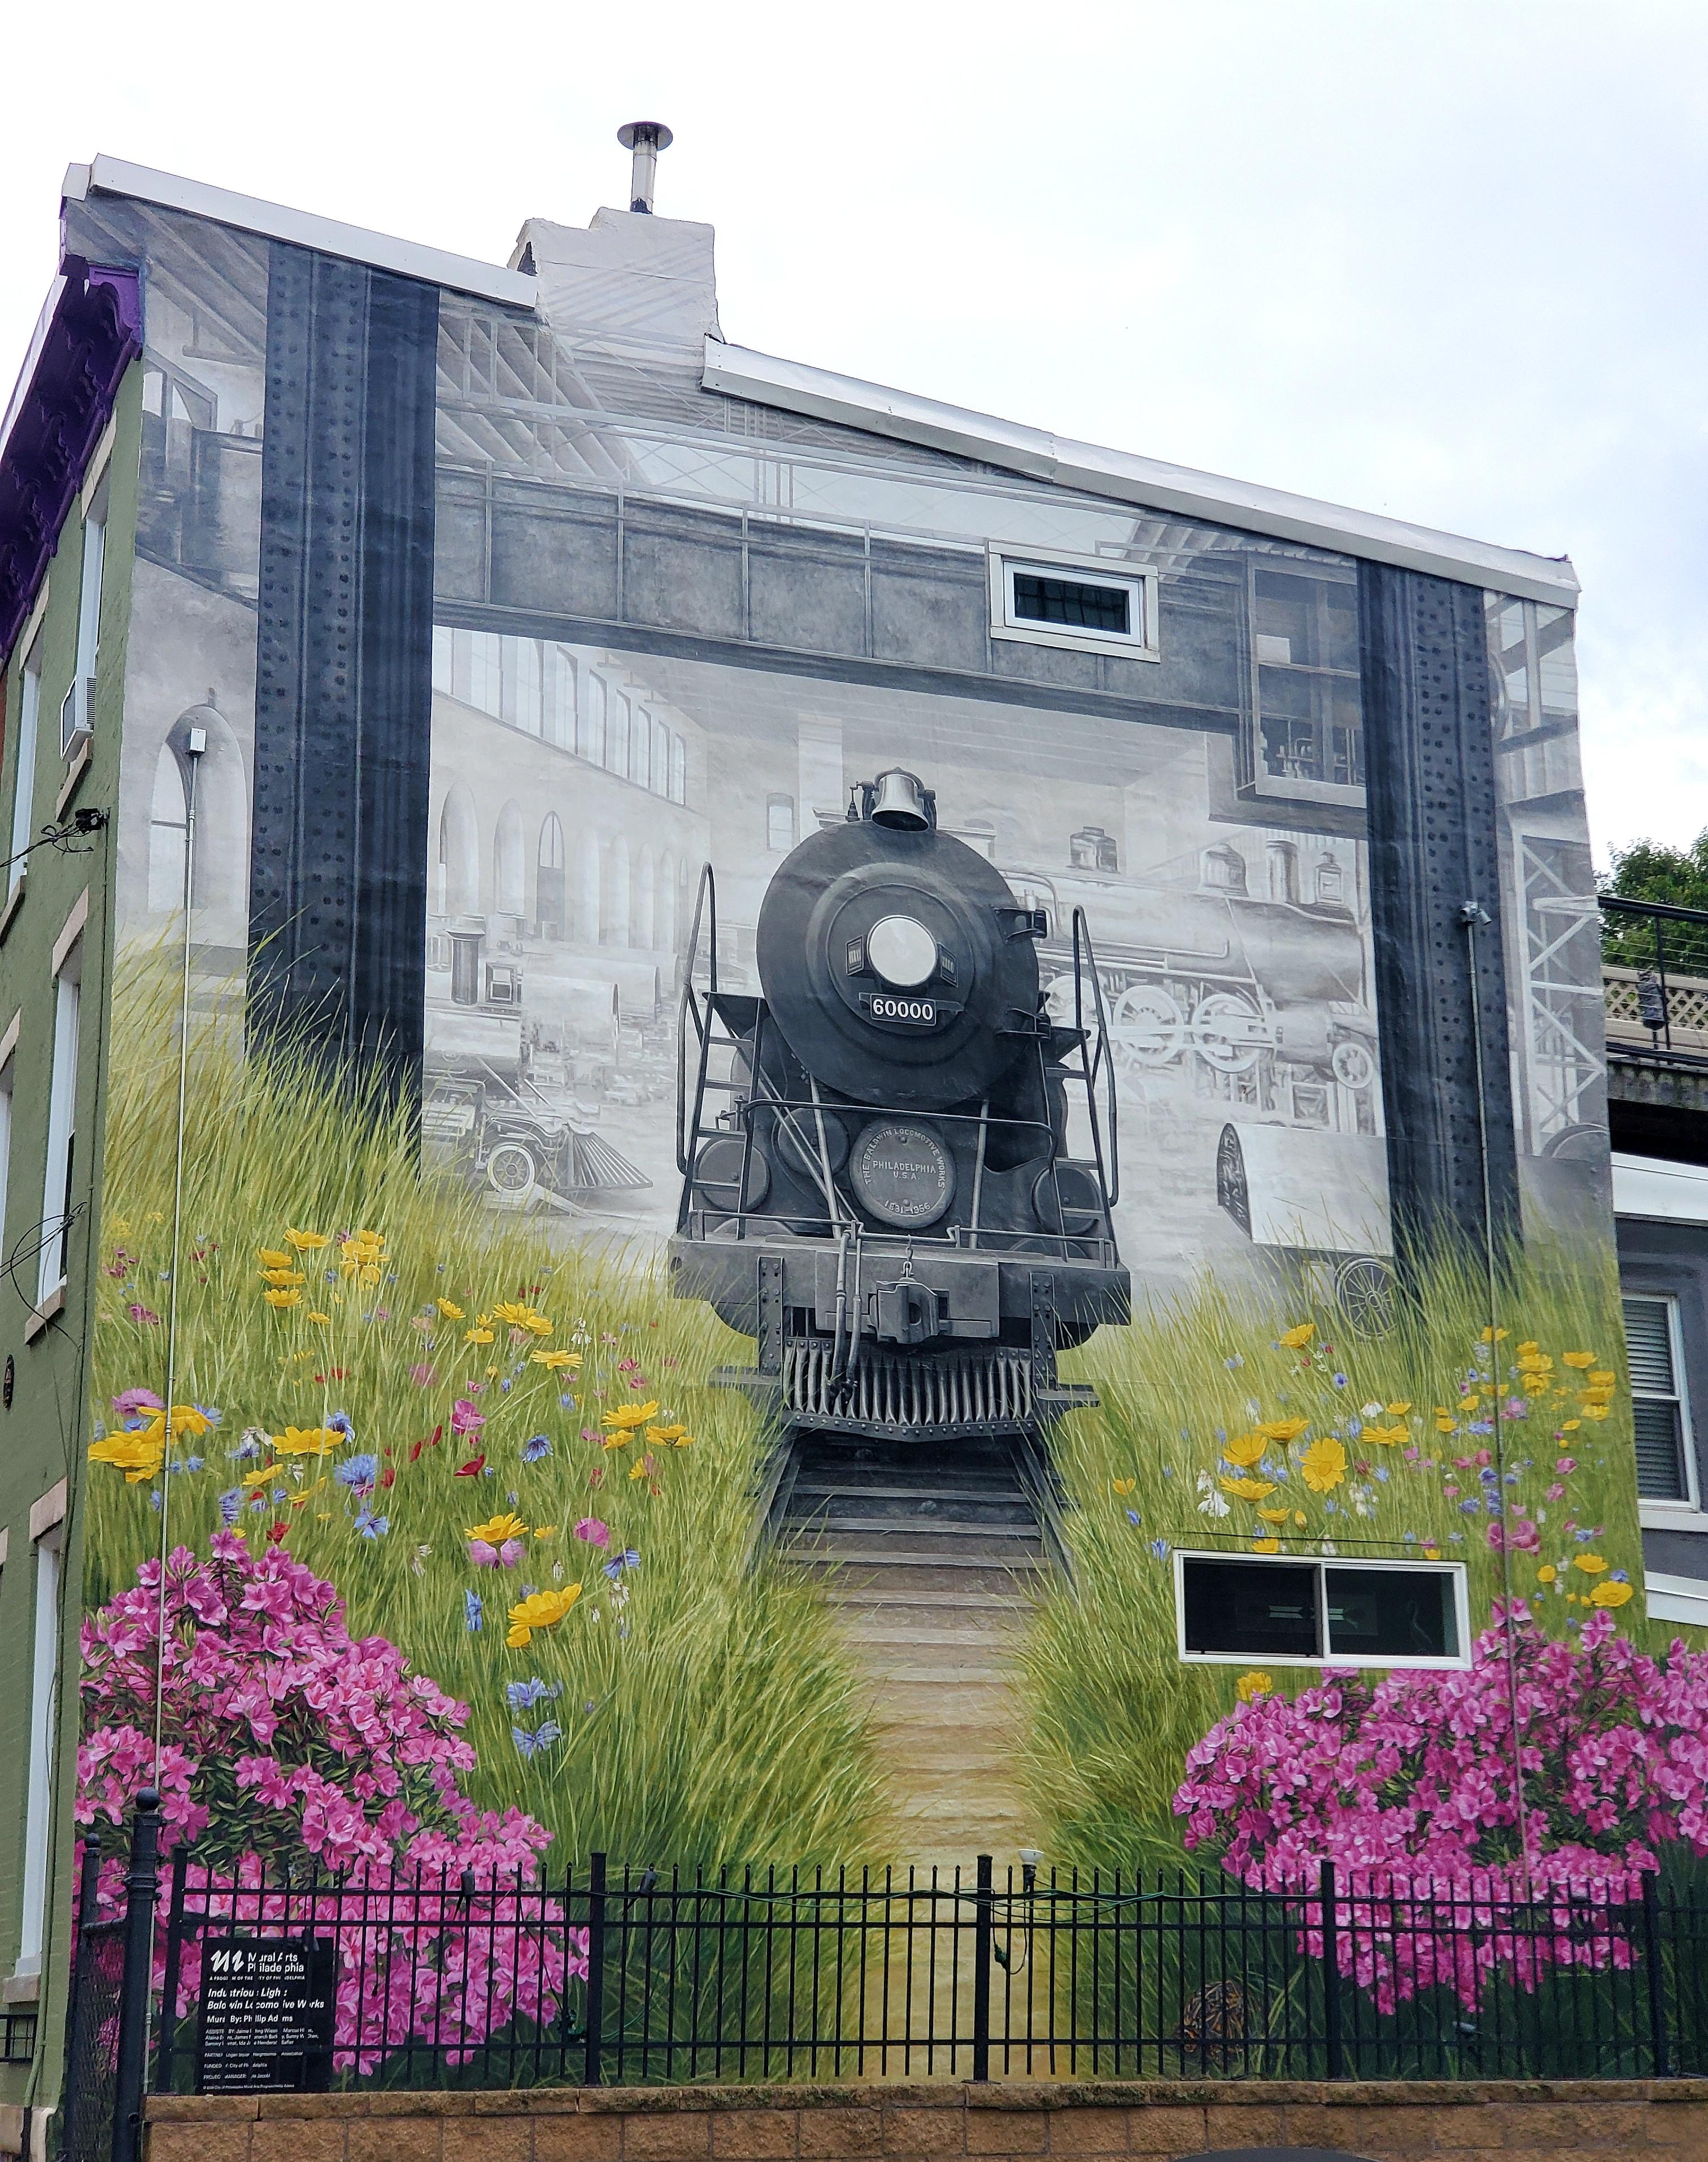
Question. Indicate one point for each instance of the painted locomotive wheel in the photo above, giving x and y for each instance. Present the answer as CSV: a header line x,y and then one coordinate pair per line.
x,y
512,1170
1146,1027
1228,1032
1354,1066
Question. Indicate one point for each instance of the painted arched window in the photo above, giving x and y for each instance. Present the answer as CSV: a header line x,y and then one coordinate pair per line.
x,y
509,873
549,910
459,854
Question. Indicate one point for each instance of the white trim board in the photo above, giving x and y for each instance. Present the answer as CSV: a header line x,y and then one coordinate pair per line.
x,y
1676,1598
1651,1186
409,258
765,379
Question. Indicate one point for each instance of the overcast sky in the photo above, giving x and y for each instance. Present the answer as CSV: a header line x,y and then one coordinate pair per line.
x,y
1443,258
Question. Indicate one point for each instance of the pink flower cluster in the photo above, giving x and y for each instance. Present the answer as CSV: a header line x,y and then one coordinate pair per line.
x,y
1408,1787
290,1745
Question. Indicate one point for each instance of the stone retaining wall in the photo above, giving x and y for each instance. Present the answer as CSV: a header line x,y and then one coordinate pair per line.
x,y
1168,2121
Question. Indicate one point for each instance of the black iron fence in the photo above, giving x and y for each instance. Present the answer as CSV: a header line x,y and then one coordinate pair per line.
x,y
637,1977
1654,958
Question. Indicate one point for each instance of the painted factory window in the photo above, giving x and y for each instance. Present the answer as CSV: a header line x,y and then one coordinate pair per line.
x,y
1304,640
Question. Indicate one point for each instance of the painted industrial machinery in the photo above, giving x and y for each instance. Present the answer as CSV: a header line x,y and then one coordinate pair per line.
x,y
898,1167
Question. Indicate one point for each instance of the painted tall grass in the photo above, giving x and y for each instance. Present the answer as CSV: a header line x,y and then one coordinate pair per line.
x,y
1409,1413
692,1709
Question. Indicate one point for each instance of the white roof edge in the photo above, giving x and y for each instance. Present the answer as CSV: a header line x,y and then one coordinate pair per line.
x,y
409,258
820,393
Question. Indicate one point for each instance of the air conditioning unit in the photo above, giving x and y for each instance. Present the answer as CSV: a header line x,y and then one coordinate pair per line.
x,y
504,984
76,713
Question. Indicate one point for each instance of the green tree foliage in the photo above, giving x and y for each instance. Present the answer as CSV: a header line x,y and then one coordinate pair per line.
x,y
1649,870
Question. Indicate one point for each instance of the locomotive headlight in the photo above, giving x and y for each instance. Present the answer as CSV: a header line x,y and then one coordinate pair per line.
x,y
902,951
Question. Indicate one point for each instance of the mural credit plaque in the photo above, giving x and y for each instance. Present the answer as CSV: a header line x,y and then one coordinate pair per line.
x,y
266,2015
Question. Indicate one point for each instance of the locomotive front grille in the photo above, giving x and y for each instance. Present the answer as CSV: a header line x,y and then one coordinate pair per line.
x,y
887,1389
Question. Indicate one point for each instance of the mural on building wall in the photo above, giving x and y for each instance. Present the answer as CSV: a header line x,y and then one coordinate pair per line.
x,y
450,1433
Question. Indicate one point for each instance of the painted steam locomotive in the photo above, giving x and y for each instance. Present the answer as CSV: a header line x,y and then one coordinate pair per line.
x,y
898,1168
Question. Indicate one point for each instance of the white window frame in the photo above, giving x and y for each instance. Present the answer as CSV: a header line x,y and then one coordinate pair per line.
x,y
38,1804
77,712
8,1077
1141,584
24,779
62,1120
1665,1510
1455,1570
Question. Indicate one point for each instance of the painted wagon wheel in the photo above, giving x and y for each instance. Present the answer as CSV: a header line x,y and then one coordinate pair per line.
x,y
512,1170
1146,1027
1228,1032
1364,1292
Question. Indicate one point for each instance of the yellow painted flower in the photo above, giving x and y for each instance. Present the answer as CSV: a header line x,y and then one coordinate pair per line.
x,y
1443,1424
545,1531
497,1529
254,1479
621,1439
1431,1553
447,1311
559,1362
1115,1486
1602,1382
1266,1546
1612,1594
271,1258
286,1276
1590,1564
678,1437
1579,1359
1249,1489
625,1418
186,1418
307,1242
1399,1411
1298,1518
324,1319
540,1610
279,1297
481,1332
135,1455
1571,1425
516,1313
1596,1410
1547,1573
1273,1516
1249,1686
1244,1449
306,1440
1324,1464
1528,1345
1284,1429
643,1469
1387,1436
1498,1335
1295,1339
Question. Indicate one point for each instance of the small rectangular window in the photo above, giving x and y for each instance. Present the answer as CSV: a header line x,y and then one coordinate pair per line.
x,y
1046,599
77,708
1659,1416
1312,1613
38,1818
62,1138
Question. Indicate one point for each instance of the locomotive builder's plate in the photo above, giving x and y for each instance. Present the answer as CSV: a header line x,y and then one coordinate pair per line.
x,y
902,1173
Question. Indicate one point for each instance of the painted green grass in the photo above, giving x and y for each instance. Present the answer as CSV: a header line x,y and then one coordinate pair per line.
x,y
1113,1711
707,1715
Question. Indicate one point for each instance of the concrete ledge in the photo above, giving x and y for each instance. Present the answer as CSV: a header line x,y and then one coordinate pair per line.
x,y
1165,2120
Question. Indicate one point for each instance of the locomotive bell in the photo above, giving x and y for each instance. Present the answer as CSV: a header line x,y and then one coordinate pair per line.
x,y
902,801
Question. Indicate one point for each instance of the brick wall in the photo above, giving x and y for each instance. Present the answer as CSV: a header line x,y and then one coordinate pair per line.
x,y
1376,2121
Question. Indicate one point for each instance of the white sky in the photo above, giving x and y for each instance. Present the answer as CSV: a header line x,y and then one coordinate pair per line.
x,y
1443,258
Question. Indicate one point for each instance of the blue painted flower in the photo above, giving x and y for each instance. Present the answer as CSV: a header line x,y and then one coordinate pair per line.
x,y
1383,1473
358,1471
1134,1517
568,1402
210,1412
473,1613
1618,1576
230,1502
542,1737
370,1526
524,1696
535,1447
1159,1548
618,1563
1339,1379
341,1422
1470,1508
194,1463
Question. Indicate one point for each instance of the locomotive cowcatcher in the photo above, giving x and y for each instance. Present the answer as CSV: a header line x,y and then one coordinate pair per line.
x,y
898,1170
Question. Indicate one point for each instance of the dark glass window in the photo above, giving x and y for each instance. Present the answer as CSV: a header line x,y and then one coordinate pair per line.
x,y
1406,1615
1251,1607
1107,608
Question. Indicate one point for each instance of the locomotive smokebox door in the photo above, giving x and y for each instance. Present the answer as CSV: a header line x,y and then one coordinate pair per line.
x,y
879,1181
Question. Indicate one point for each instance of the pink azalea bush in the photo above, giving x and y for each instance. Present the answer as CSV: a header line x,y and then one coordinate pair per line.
x,y
1408,1787
291,1747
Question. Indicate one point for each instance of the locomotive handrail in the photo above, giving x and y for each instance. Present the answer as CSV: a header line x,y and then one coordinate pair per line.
x,y
705,899
1068,1246
1109,1177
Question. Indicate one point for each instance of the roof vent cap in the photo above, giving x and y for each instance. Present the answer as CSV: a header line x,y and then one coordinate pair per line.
x,y
644,140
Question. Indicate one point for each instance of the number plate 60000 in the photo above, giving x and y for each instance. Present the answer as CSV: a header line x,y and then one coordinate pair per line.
x,y
916,1013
